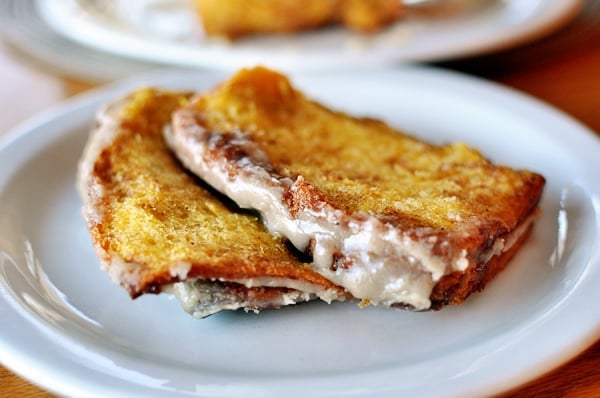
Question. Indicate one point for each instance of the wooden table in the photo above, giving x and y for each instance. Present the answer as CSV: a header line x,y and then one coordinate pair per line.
x,y
562,69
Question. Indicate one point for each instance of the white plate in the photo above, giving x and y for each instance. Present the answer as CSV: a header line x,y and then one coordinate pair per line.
x,y
145,29
68,328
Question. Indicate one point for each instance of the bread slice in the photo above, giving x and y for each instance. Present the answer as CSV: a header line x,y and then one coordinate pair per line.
x,y
395,221
237,18
156,227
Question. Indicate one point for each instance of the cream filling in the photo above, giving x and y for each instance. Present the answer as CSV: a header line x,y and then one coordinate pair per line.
x,y
387,266
327,295
203,298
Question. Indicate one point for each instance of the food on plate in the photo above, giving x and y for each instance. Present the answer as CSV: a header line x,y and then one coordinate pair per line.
x,y
157,228
395,221
237,18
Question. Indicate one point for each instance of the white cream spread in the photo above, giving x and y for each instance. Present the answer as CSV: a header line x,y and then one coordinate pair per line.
x,y
202,298
387,265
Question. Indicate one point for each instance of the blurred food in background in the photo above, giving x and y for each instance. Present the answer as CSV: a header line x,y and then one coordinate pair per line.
x,y
237,18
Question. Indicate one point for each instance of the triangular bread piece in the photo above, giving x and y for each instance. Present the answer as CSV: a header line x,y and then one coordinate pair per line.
x,y
155,227
394,220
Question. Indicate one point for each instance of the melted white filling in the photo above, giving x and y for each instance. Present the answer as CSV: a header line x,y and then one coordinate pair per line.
x,y
202,298
327,295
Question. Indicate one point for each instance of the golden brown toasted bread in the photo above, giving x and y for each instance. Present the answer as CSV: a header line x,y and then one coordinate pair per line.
x,y
237,18
395,221
153,224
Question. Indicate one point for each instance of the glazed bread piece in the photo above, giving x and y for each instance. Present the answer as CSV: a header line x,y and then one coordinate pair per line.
x,y
237,18
395,221
156,227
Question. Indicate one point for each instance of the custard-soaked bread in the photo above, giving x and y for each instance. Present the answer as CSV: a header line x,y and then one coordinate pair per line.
x,y
153,224
236,18
395,221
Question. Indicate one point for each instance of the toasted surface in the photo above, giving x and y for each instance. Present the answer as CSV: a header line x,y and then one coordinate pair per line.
x,y
363,165
236,18
446,208
154,224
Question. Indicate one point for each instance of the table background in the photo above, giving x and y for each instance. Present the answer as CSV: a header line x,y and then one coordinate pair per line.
x,y
562,69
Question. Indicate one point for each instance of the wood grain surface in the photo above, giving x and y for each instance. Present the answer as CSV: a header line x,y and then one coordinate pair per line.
x,y
562,69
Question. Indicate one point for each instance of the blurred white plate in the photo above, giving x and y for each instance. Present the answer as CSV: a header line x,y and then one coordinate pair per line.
x,y
22,27
167,31
66,327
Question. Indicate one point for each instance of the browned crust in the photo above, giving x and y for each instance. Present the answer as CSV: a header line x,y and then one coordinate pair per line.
x,y
456,287
150,280
302,195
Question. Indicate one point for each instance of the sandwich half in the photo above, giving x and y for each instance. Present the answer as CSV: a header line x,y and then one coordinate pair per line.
x,y
155,227
393,220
